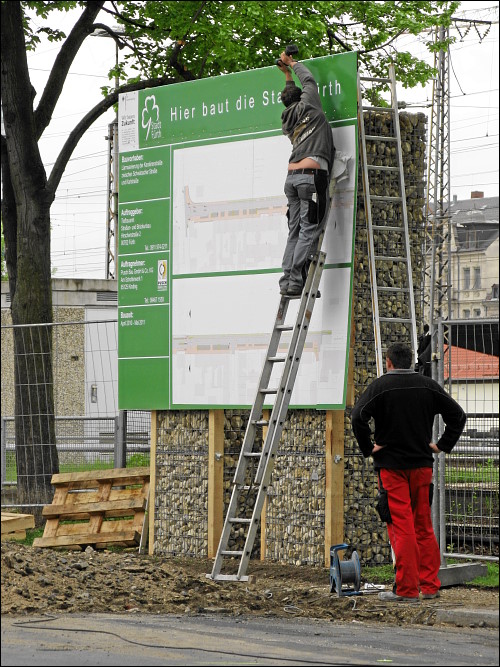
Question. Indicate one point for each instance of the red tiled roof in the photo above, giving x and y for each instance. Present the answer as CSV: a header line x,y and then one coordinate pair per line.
x,y
468,364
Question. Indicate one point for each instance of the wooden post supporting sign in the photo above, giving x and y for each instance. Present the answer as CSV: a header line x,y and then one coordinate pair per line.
x,y
215,479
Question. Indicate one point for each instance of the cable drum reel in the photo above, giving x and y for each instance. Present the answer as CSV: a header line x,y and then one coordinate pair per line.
x,y
344,572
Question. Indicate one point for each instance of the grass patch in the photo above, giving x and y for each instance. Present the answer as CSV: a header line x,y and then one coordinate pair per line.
x,y
489,581
136,460
31,534
378,574
384,574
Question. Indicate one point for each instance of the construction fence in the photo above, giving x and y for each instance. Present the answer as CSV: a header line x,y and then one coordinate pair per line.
x,y
61,382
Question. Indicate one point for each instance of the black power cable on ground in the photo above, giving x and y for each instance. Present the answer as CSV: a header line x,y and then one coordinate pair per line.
x,y
31,625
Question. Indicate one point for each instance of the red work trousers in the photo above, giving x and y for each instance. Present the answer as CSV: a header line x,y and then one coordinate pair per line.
x,y
411,533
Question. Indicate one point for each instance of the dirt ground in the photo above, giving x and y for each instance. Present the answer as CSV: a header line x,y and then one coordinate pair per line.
x,y
43,580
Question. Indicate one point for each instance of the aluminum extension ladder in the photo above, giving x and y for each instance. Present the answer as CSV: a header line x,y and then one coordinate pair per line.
x,y
380,252
264,459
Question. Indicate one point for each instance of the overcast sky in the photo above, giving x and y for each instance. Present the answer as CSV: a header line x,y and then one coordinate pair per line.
x,y
79,211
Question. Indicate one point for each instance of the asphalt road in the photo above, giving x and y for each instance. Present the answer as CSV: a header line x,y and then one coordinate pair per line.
x,y
102,639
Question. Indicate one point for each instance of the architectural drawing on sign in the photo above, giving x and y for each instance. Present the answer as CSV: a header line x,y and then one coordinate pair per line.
x,y
241,343
232,209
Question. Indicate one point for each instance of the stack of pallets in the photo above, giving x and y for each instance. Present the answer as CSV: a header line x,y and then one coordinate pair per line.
x,y
14,525
98,508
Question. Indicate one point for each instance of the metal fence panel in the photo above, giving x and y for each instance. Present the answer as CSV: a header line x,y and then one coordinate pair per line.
x,y
471,478
88,430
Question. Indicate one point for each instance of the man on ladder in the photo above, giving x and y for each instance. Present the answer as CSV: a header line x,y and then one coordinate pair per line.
x,y
311,161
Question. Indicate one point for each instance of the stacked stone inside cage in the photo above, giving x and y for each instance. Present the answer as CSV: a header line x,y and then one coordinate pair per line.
x,y
295,510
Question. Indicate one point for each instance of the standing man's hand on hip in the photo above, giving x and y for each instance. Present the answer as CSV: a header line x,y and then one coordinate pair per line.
x,y
435,448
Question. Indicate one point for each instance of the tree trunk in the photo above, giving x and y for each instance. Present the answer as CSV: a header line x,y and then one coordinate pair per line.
x,y
26,220
36,453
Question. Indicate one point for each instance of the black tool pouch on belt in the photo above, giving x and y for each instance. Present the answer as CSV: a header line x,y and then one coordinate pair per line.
x,y
382,504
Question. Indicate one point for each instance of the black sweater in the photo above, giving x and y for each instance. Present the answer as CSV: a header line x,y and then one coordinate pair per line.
x,y
403,405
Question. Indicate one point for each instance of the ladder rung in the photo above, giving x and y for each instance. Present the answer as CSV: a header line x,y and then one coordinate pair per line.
x,y
377,109
276,359
238,519
232,553
254,454
393,289
268,391
375,78
260,422
389,228
379,137
390,259
381,168
380,198
226,577
395,319
284,327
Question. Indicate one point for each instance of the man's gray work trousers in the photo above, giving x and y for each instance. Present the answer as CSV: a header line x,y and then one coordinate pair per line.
x,y
308,204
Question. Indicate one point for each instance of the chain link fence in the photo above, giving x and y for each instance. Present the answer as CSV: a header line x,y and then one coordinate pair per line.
x,y
60,408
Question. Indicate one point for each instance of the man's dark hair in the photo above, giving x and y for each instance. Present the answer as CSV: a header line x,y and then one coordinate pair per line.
x,y
426,328
290,94
400,355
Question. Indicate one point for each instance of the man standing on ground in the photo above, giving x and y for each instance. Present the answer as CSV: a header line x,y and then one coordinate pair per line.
x,y
310,164
403,405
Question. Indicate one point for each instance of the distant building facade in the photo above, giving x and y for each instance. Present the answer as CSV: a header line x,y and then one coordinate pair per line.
x,y
474,257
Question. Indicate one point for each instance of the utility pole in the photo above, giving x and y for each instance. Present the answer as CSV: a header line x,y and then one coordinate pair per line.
x,y
438,219
111,251
438,250
112,203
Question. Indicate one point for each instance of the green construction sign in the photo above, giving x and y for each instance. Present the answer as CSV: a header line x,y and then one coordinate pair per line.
x,y
201,231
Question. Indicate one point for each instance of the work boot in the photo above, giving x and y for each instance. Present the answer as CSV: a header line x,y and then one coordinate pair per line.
x,y
431,596
294,291
389,596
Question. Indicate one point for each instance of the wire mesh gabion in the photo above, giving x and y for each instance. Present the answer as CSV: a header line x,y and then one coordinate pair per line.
x,y
235,424
295,517
181,494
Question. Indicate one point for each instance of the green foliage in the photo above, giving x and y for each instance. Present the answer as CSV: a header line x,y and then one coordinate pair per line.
x,y
221,37
33,30
193,39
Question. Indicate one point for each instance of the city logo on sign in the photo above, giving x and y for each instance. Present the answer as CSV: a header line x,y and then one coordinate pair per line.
x,y
151,118
162,274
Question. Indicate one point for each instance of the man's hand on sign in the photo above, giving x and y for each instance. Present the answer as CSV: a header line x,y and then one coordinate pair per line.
x,y
287,60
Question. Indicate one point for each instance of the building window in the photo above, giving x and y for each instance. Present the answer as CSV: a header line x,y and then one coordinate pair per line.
x,y
467,278
477,312
494,291
466,314
477,278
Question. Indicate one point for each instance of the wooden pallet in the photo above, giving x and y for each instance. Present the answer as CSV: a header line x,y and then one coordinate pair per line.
x,y
99,508
14,525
